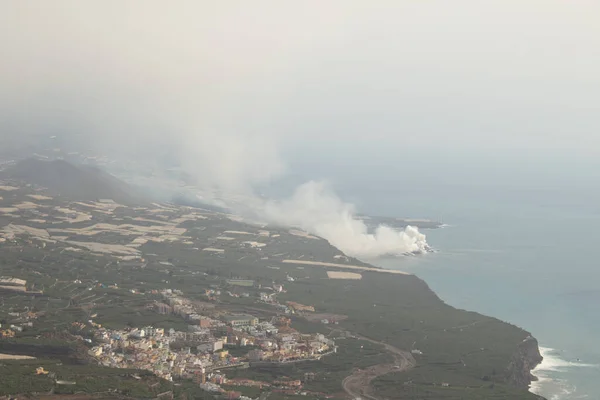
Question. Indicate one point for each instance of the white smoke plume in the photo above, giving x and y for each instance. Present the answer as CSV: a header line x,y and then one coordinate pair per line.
x,y
216,92
315,208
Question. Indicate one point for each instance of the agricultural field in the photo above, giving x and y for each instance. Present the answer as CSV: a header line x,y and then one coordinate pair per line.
x,y
109,261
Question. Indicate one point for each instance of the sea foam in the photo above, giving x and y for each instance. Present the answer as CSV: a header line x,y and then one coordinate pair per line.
x,y
549,384
553,362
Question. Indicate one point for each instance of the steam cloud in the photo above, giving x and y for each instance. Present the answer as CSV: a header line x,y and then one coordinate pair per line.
x,y
318,210
117,79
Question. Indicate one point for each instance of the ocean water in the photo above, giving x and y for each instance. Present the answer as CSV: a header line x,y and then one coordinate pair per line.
x,y
528,256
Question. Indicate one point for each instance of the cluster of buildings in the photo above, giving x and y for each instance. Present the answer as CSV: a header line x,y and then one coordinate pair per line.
x,y
291,347
193,311
167,354
203,349
18,322
274,339
7,333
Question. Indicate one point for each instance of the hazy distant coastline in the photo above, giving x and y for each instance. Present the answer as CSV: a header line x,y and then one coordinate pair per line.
x,y
399,223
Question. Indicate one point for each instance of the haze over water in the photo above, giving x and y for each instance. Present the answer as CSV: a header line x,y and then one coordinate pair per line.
x,y
524,255
520,245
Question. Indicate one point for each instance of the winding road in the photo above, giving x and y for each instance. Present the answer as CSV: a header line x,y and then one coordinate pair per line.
x,y
358,385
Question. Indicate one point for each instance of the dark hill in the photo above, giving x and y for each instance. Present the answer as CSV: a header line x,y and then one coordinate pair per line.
x,y
81,182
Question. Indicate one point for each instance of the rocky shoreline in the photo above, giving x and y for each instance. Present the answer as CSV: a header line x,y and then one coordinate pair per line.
x,y
526,357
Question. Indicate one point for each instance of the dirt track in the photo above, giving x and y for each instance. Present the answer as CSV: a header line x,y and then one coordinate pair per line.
x,y
358,385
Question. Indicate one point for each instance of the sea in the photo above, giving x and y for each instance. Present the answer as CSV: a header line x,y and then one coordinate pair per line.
x,y
524,254
522,250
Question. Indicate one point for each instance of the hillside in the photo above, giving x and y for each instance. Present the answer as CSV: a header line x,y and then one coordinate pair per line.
x,y
82,182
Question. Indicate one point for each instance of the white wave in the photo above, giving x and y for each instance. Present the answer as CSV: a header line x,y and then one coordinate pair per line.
x,y
548,385
565,393
553,362
537,386
553,389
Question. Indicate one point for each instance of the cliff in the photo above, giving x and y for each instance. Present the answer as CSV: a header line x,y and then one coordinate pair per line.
x,y
523,361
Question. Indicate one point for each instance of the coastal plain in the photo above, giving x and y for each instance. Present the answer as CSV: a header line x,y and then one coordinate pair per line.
x,y
87,263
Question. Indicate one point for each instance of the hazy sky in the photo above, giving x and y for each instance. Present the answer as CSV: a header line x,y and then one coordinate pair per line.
x,y
235,88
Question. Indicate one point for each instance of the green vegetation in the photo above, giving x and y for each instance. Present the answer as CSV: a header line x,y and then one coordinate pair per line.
x,y
426,383
244,390
21,377
329,371
114,317
402,311
468,351
239,351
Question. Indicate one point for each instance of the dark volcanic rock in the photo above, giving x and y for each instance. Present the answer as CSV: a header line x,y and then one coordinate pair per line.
x,y
524,360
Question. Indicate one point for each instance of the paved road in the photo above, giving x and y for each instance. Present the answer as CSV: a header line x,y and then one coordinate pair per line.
x,y
358,385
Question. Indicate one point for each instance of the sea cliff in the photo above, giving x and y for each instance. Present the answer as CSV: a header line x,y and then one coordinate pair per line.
x,y
526,357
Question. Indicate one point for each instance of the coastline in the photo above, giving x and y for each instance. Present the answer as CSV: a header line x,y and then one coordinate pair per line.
x,y
522,359
526,359
412,308
537,385
549,374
